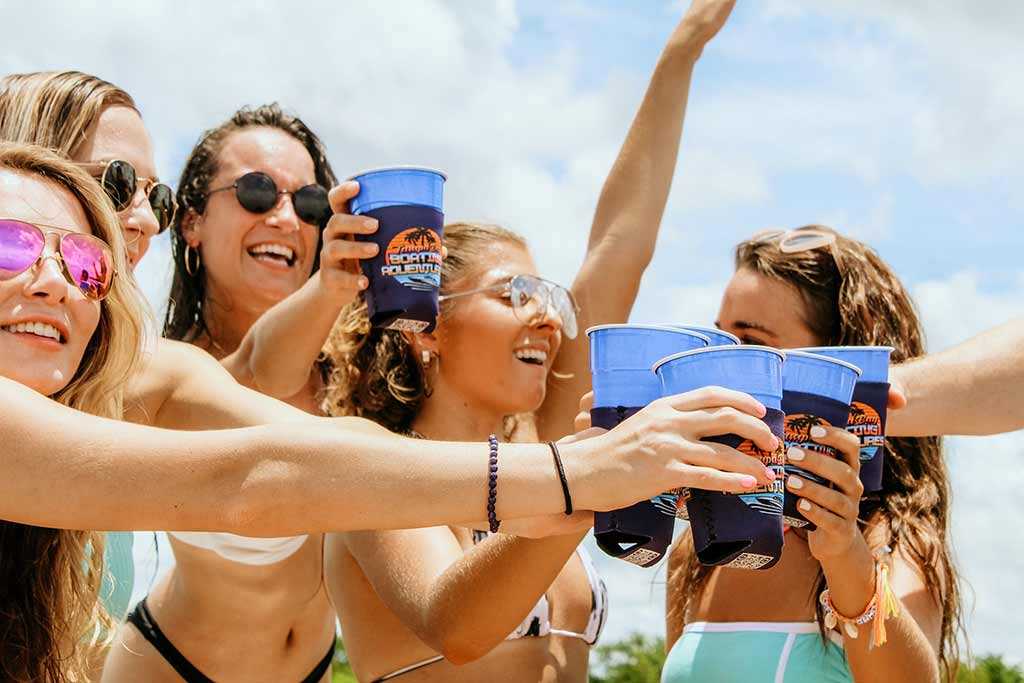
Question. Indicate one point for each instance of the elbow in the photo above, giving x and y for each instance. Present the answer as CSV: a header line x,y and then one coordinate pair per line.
x,y
462,650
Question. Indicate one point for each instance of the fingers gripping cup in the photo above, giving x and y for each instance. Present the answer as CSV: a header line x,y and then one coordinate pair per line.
x,y
816,392
405,276
735,530
868,407
620,362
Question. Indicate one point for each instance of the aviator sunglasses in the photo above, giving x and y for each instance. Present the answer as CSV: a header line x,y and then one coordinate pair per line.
x,y
795,241
531,298
86,261
257,193
121,182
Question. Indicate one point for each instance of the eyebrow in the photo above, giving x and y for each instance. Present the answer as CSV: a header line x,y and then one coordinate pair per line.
x,y
745,325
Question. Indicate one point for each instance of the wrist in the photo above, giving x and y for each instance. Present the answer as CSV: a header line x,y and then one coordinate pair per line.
x,y
851,578
578,462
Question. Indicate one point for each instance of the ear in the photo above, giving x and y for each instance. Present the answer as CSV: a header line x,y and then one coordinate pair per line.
x,y
422,341
191,228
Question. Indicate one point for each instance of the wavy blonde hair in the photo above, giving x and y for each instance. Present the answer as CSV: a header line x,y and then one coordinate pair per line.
x,y
50,615
853,298
55,109
374,373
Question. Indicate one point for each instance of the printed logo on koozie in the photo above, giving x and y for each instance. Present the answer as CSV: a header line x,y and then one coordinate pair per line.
x,y
413,257
766,499
867,424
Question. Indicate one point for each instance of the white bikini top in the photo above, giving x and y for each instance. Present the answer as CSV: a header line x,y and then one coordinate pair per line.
x,y
243,549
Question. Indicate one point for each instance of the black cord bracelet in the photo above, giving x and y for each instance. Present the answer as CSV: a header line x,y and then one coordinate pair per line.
x,y
492,485
561,477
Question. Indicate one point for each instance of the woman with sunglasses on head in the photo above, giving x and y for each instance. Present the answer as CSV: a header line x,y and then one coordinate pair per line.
x,y
815,287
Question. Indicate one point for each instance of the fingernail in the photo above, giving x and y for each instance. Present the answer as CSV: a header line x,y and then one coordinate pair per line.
x,y
770,472
370,224
748,482
794,483
818,432
371,249
803,505
351,184
795,453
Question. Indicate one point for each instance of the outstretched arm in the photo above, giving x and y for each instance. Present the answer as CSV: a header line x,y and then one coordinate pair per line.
x,y
278,353
630,208
66,469
972,388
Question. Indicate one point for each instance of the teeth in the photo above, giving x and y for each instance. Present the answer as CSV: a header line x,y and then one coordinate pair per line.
x,y
36,328
276,249
532,354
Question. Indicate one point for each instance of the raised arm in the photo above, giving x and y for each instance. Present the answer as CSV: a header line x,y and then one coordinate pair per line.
x,y
630,208
277,354
66,469
972,388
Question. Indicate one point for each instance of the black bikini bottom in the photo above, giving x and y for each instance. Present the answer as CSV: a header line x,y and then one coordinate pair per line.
x,y
143,620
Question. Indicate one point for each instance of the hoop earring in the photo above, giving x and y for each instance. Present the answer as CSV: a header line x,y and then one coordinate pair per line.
x,y
189,268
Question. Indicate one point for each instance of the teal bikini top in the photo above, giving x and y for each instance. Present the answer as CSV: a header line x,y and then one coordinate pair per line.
x,y
756,652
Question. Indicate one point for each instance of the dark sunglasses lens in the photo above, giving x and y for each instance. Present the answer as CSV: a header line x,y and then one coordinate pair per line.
x,y
20,246
256,192
89,263
162,200
311,205
119,183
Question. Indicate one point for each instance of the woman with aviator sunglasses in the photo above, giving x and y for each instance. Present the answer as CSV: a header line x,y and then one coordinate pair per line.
x,y
500,334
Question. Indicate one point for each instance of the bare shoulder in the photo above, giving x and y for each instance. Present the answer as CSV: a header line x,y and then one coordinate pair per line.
x,y
169,369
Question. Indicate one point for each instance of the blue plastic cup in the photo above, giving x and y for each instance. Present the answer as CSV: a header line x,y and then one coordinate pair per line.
x,y
745,530
869,407
620,359
405,276
816,392
718,337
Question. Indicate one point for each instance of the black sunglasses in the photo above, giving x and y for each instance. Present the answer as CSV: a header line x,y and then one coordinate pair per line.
x,y
257,192
121,182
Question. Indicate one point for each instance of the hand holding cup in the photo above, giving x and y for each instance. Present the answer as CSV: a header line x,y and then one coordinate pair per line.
x,y
340,275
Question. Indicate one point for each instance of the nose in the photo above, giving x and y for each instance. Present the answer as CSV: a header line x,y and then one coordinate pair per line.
x,y
548,319
47,281
283,216
139,225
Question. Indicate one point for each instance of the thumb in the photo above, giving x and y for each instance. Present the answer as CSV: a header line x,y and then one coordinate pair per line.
x,y
341,194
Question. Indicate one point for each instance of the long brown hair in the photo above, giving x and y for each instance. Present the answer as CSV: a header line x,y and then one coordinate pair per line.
x,y
50,615
852,298
375,373
185,319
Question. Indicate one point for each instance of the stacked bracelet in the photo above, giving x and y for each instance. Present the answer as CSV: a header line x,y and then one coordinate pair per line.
x,y
492,485
561,477
882,606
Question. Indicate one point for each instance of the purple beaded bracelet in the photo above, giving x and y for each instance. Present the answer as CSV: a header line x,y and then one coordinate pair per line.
x,y
492,485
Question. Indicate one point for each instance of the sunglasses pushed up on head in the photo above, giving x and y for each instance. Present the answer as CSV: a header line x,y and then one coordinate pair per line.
x,y
121,182
86,261
796,240
532,298
257,193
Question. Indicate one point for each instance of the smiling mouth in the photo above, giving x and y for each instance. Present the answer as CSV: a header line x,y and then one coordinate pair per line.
x,y
532,356
42,330
277,254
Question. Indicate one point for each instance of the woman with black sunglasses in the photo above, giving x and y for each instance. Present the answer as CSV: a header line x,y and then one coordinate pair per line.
x,y
503,331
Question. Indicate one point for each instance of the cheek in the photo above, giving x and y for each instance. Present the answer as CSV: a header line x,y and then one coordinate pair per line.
x,y
85,319
311,244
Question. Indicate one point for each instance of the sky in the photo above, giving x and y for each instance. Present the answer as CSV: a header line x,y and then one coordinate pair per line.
x,y
897,123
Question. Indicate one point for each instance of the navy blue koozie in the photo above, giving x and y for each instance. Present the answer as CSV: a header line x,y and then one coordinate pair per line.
x,y
742,531
736,530
620,365
641,533
405,276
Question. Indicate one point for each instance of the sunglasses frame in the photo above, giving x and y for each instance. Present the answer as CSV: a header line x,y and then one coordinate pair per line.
x,y
104,168
508,286
277,193
58,254
786,238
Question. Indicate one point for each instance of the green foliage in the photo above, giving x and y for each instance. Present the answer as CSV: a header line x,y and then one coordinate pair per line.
x,y
990,669
341,671
637,659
